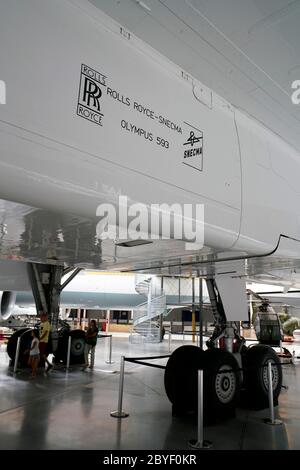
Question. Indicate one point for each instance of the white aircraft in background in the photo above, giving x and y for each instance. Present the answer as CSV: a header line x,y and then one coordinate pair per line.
x,y
95,290
93,112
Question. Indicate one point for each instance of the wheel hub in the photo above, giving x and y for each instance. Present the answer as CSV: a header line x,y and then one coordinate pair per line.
x,y
275,376
77,346
225,384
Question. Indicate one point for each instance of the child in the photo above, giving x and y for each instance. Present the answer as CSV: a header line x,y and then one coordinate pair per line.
x,y
34,353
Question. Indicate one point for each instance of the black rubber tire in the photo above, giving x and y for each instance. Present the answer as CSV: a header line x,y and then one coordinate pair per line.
x,y
49,349
25,343
181,378
256,378
77,347
221,390
60,354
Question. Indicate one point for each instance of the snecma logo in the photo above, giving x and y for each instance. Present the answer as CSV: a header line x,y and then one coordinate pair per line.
x,y
2,92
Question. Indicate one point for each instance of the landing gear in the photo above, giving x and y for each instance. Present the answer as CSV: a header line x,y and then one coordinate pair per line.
x,y
221,382
60,355
255,362
231,370
25,343
45,282
77,347
46,286
181,378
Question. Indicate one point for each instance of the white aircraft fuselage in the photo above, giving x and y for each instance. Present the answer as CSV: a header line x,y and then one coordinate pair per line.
x,y
93,113
94,116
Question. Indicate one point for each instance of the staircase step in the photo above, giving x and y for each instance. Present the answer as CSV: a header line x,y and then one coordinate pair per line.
x,y
144,313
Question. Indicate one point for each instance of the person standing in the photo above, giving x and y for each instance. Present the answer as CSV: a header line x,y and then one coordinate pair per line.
x,y
34,353
45,329
91,337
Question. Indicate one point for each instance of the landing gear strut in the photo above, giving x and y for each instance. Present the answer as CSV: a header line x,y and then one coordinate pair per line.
x,y
46,288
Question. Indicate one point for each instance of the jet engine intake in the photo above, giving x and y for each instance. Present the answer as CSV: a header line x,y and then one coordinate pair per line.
x,y
7,303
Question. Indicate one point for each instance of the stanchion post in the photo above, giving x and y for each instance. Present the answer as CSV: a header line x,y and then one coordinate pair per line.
x,y
69,352
109,361
200,443
201,313
17,354
272,419
119,413
170,340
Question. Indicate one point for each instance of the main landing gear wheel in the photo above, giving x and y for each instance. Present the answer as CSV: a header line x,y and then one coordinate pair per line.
x,y
256,376
77,347
221,390
25,343
221,385
181,378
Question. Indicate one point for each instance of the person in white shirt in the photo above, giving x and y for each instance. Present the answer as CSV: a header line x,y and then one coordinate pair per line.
x,y
34,353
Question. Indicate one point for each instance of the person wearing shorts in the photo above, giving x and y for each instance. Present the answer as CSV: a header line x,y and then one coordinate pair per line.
x,y
34,354
44,338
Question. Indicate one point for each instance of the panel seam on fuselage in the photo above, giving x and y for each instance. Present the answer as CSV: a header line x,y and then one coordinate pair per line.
x,y
84,152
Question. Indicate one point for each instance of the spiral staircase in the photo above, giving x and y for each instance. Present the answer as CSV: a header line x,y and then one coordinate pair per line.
x,y
145,316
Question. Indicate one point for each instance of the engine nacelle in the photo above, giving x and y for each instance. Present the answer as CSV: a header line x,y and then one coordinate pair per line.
x,y
7,303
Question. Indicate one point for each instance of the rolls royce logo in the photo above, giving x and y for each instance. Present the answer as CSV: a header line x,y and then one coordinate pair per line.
x,y
193,152
90,92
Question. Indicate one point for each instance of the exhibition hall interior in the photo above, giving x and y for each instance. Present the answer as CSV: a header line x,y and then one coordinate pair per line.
x,y
150,227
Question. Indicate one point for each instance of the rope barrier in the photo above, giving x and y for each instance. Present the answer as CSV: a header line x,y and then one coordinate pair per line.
x,y
132,359
138,360
157,366
141,360
119,413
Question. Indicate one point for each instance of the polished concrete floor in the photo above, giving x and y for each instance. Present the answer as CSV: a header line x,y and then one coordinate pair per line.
x,y
72,410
